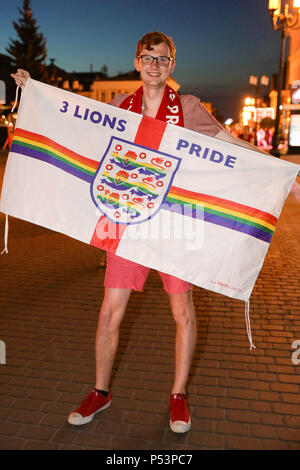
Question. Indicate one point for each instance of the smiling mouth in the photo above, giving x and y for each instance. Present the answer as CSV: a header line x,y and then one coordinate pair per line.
x,y
154,74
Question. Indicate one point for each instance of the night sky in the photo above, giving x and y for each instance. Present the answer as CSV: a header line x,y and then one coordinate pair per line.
x,y
219,42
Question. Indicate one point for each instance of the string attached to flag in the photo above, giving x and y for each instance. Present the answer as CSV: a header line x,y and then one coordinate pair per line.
x,y
248,324
16,99
5,235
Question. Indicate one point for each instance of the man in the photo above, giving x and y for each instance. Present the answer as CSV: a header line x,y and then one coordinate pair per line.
x,y
155,60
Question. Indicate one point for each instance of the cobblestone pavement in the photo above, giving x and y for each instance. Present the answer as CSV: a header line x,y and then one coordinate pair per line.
x,y
50,294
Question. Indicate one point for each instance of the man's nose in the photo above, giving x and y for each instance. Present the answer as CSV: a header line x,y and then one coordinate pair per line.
x,y
155,62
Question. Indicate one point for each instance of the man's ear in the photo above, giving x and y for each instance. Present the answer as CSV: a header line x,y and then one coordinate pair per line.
x,y
172,66
136,64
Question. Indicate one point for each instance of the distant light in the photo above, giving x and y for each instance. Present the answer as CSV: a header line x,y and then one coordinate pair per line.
x,y
228,122
246,116
274,4
249,101
296,4
264,80
253,80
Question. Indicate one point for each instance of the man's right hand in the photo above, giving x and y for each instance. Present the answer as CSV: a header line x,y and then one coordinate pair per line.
x,y
20,77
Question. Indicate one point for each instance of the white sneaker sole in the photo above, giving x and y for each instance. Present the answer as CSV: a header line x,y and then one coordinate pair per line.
x,y
180,427
77,420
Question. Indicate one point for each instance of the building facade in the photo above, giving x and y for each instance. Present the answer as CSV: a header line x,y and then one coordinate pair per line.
x,y
290,112
292,107
105,90
97,85
294,57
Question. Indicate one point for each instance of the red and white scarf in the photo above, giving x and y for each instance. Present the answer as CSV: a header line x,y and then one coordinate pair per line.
x,y
170,109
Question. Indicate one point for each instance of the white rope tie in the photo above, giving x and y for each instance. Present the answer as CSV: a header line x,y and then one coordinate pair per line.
x,y
248,324
16,99
5,235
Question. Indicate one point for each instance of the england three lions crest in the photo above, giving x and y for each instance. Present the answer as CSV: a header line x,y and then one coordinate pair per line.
x,y
132,181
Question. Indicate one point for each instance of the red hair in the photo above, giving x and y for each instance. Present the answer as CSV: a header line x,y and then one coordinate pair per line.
x,y
152,39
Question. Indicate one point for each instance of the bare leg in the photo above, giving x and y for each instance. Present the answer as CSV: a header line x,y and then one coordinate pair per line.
x,y
107,335
186,336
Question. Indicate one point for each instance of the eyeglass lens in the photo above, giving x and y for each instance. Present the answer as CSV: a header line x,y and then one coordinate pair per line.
x,y
160,60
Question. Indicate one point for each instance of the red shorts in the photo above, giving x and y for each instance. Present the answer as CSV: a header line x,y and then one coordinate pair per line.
x,y
124,274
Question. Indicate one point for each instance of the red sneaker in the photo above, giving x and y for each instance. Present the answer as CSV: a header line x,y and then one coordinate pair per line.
x,y
93,403
180,420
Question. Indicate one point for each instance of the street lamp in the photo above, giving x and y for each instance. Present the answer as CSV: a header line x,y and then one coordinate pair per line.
x,y
253,81
284,21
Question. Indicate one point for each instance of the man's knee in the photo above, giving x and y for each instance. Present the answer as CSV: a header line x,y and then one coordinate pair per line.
x,y
183,308
184,316
113,308
109,320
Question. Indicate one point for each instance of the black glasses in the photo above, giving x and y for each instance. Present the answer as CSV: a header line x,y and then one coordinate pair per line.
x,y
160,60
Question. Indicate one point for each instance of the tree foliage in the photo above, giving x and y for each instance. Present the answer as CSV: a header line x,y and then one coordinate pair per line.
x,y
28,51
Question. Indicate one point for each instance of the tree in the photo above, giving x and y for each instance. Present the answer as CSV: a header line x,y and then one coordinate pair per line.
x,y
29,51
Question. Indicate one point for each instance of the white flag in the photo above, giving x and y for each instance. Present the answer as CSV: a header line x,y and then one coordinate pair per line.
x,y
163,196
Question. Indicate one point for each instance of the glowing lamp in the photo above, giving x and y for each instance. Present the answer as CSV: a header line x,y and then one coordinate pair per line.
x,y
296,4
253,80
275,5
264,80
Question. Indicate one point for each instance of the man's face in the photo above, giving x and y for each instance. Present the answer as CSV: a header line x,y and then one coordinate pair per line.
x,y
155,75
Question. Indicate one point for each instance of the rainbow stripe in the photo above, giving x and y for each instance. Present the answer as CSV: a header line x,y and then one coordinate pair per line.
x,y
41,148
232,215
229,214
